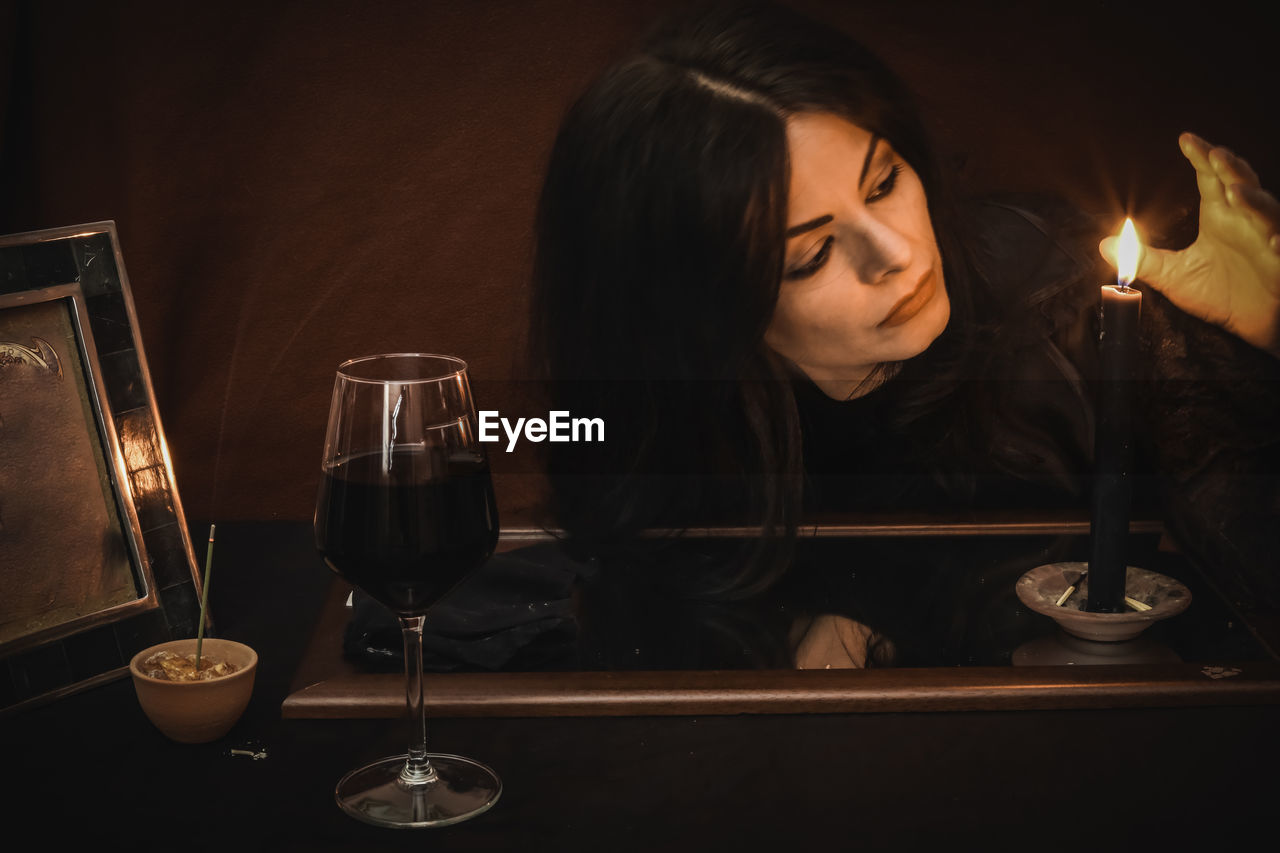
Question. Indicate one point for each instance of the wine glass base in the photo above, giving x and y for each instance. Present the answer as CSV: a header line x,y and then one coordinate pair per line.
x,y
374,793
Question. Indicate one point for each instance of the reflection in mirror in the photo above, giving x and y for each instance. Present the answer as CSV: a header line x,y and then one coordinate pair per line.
x,y
831,641
847,603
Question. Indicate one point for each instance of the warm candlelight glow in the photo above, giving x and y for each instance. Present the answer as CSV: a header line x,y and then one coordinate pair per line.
x,y
1127,251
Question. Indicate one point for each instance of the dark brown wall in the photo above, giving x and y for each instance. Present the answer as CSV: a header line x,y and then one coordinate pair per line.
x,y
296,183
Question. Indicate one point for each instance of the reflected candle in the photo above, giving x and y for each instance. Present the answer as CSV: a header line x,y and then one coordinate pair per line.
x,y
1113,438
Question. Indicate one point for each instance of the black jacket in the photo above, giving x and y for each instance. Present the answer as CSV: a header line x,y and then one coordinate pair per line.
x,y
1207,408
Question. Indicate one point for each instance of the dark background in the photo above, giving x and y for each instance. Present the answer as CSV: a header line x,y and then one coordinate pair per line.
x,y
297,183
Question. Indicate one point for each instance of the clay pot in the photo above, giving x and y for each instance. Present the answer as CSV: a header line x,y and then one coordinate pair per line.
x,y
1041,587
197,711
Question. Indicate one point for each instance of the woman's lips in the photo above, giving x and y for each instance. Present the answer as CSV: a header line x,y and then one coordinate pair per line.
x,y
910,305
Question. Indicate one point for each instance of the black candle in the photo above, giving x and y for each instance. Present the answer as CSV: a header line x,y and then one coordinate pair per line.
x,y
1113,438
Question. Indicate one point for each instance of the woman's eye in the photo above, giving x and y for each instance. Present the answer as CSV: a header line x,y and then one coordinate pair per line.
x,y
886,186
814,264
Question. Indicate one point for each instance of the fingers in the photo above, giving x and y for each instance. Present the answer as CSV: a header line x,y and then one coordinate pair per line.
x,y
1196,150
1216,167
1260,209
1232,169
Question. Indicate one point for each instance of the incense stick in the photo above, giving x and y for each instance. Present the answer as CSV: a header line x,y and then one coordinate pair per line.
x,y
204,597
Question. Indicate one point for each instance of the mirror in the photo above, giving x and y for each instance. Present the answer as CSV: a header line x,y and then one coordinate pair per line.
x,y
896,615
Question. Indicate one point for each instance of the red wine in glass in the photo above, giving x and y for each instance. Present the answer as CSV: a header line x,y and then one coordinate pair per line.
x,y
409,533
405,511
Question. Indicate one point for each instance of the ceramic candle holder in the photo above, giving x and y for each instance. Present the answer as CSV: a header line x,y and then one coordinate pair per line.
x,y
1040,589
197,711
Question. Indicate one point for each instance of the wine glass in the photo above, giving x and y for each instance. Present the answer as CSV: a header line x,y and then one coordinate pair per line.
x,y
405,511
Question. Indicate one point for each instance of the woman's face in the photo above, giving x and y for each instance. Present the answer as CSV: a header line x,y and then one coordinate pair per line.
x,y
863,282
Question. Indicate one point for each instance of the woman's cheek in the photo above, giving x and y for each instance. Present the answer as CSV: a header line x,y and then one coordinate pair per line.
x,y
780,335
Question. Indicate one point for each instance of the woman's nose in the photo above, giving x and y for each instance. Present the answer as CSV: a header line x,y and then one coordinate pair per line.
x,y
879,251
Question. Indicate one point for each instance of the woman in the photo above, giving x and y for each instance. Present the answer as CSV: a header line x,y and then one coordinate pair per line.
x,y
750,266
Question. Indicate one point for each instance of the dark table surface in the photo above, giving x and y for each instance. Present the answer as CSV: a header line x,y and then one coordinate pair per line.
x,y
90,768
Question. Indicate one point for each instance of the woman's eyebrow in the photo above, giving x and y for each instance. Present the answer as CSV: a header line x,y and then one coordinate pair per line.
x,y
797,230
866,163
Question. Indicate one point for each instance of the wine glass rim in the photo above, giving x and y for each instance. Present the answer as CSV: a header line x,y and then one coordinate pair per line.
x,y
461,367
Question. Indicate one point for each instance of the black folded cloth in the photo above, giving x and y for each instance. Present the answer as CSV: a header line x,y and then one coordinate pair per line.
x,y
516,612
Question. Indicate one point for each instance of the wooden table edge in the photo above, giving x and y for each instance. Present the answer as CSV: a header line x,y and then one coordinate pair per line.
x,y
686,693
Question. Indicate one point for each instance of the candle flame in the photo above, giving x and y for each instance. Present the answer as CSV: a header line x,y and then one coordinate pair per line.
x,y
1128,250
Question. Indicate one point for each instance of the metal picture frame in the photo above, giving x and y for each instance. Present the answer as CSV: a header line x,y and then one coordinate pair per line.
x,y
120,506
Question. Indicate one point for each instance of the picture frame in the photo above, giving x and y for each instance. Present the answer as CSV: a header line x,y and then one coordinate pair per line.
x,y
96,560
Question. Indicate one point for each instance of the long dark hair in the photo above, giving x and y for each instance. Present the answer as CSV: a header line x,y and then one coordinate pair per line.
x,y
660,251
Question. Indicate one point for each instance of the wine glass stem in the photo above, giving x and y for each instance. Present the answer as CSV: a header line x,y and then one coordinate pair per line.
x,y
417,769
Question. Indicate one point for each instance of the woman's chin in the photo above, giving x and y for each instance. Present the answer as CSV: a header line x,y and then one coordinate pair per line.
x,y
942,315
918,334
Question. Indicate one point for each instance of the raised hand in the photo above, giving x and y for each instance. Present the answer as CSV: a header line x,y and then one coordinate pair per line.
x,y
1230,275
